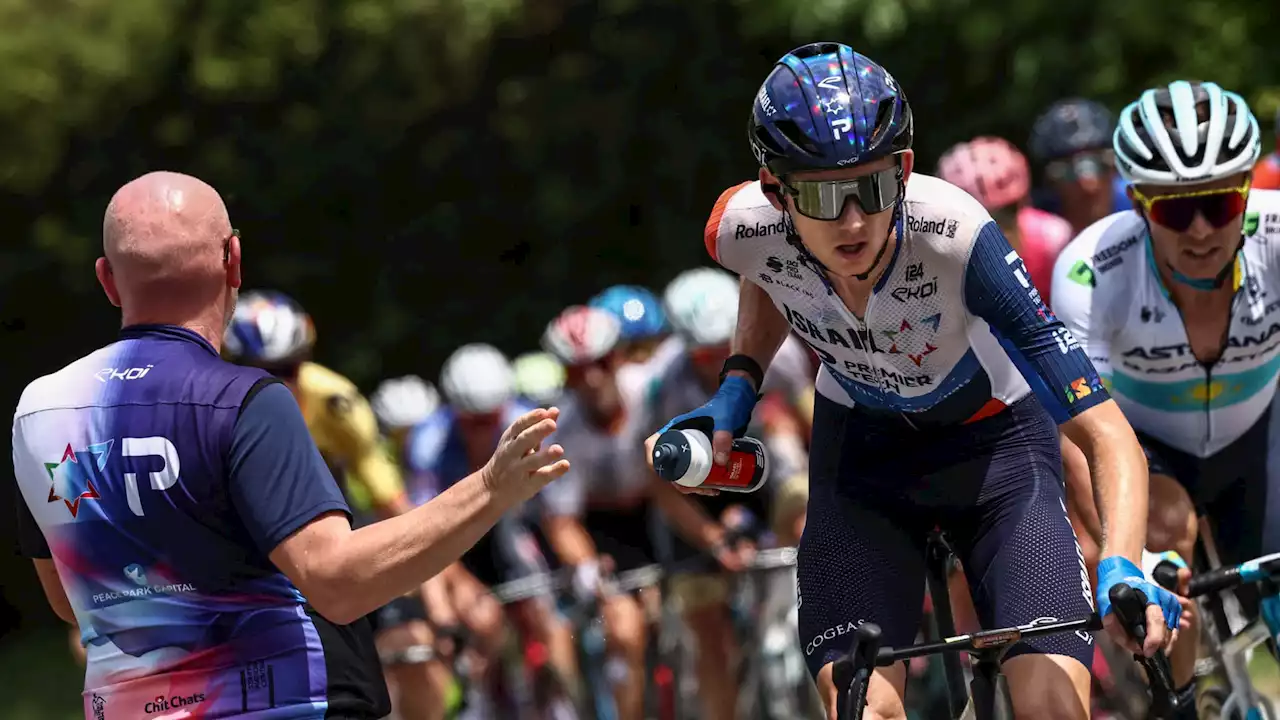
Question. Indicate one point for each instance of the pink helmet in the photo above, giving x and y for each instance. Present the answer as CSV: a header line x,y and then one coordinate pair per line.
x,y
989,168
582,334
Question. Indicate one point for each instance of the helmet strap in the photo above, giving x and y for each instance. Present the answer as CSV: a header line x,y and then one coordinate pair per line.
x,y
893,225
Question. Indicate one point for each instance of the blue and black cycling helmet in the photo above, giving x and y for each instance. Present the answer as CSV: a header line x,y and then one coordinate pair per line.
x,y
269,330
1071,126
639,311
825,106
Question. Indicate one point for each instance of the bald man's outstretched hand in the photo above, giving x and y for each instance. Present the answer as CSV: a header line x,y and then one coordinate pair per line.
x,y
520,464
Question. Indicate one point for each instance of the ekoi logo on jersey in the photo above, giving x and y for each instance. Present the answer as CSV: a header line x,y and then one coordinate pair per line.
x,y
1081,388
71,479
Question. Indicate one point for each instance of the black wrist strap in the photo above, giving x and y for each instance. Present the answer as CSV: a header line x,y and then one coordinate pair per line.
x,y
746,364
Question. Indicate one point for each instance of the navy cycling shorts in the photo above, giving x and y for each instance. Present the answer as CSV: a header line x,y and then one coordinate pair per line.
x,y
1233,487
877,489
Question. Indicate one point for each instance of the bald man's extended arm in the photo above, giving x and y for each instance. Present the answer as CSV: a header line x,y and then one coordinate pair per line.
x,y
294,511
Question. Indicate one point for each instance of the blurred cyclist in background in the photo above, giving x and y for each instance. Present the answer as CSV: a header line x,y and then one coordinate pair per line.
x,y
642,320
479,387
1072,142
598,518
400,403
1266,174
539,378
993,171
703,306
271,331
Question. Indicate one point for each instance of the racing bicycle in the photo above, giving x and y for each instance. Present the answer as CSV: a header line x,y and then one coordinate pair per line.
x,y
988,696
1229,652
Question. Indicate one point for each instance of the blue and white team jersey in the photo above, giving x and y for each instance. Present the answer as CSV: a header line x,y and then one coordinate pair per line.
x,y
953,331
1113,300
435,454
158,478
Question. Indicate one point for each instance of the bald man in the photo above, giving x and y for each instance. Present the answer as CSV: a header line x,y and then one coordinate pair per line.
x,y
177,510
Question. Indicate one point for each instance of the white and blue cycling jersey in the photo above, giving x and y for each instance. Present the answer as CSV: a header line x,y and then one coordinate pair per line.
x,y
953,331
1115,303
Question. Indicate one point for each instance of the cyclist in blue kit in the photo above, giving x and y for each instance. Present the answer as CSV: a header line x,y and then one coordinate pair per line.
x,y
944,379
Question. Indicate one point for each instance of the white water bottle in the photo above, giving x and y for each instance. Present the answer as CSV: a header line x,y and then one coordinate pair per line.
x,y
684,457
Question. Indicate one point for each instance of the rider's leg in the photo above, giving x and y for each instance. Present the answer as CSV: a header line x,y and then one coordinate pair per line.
x,y
788,509
421,687
625,635
886,694
861,558
536,621
701,600
1023,562
1047,687
482,615
1172,525
521,553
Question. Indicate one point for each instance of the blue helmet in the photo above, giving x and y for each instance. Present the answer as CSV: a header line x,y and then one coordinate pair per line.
x,y
639,311
825,106
268,330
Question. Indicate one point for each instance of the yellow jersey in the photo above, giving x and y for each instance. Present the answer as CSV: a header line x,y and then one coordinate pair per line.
x,y
346,432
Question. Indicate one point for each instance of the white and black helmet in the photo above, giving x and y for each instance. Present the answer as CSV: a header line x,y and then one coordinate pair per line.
x,y
1188,132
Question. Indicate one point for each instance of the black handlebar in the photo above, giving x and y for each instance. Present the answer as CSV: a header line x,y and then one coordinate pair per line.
x,y
1130,607
1208,583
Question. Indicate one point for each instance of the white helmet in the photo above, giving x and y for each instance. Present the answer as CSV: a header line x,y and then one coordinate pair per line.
x,y
539,377
403,402
477,378
1214,135
582,334
703,305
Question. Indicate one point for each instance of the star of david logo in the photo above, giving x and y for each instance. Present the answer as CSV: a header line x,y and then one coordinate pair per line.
x,y
71,481
832,106
932,321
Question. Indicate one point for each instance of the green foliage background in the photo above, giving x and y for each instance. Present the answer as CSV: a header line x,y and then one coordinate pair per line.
x,y
423,173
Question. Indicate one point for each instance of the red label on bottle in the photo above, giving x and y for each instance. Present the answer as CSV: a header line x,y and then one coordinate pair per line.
x,y
740,473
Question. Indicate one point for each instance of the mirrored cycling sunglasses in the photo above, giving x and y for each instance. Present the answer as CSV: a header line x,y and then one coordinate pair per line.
x,y
1087,165
825,199
1177,211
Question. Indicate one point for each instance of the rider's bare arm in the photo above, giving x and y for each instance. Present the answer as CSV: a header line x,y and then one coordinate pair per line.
x,y
1066,378
761,327
435,599
568,539
688,519
1119,471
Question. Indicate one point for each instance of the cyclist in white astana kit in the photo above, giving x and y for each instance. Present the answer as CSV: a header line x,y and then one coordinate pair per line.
x,y
1177,303
941,367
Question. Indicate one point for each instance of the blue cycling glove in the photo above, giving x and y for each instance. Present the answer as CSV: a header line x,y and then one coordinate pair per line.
x,y
1116,570
729,409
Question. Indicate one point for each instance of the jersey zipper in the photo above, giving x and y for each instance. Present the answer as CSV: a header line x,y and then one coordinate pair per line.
x,y
900,225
